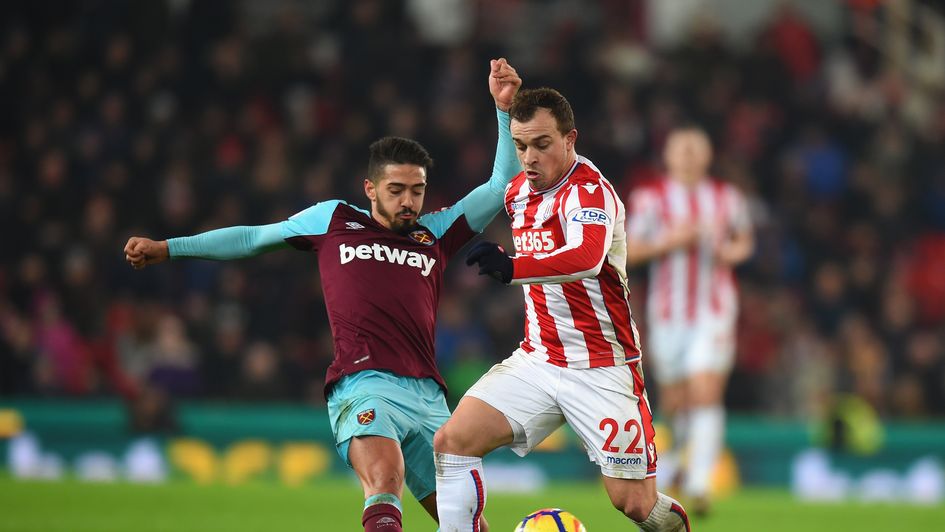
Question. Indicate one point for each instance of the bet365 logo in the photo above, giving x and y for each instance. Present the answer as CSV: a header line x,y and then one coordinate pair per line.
x,y
534,241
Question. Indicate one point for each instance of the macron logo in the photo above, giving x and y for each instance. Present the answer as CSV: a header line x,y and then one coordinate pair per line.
x,y
635,460
382,253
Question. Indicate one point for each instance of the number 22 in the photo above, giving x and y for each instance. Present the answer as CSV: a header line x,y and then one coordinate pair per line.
x,y
614,428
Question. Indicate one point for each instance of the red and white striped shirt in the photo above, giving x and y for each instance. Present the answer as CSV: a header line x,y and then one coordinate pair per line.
x,y
571,258
688,284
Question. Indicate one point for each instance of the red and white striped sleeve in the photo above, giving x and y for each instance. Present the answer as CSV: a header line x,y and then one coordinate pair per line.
x,y
590,211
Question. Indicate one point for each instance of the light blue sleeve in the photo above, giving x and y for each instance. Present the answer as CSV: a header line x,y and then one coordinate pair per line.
x,y
485,201
228,243
314,220
247,241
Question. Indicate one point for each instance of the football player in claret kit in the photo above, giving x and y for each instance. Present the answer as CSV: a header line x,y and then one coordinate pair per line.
x,y
692,230
381,273
579,362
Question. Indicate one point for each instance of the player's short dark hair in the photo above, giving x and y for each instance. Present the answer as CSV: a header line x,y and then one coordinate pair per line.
x,y
527,102
396,150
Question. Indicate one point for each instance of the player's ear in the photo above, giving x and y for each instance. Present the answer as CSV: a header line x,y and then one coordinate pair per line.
x,y
570,138
370,190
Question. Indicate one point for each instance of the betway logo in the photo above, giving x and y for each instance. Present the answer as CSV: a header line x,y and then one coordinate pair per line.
x,y
382,253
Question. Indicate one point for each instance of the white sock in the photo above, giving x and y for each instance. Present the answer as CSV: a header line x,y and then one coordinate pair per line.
x,y
666,516
671,459
708,430
460,492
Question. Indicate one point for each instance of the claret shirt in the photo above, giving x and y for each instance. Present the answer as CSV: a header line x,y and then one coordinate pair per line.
x,y
381,288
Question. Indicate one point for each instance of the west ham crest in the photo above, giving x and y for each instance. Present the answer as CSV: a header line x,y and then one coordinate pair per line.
x,y
366,417
422,236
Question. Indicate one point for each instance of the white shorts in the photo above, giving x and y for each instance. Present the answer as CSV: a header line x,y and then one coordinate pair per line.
x,y
679,351
607,408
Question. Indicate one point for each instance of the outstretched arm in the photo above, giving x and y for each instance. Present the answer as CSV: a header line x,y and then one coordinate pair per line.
x,y
482,204
219,244
485,201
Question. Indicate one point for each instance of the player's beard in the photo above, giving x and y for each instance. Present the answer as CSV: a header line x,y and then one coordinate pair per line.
x,y
401,227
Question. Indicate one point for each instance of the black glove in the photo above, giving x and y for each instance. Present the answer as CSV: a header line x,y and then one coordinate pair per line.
x,y
492,260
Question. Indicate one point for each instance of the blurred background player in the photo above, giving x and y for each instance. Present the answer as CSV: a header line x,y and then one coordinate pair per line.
x,y
693,230
579,362
381,272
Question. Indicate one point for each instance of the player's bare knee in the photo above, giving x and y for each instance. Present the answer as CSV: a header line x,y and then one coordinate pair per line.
x,y
445,440
451,439
706,389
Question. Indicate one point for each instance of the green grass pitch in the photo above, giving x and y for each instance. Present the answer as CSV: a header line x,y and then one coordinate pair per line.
x,y
334,505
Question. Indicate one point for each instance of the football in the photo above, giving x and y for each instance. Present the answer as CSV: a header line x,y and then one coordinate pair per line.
x,y
550,520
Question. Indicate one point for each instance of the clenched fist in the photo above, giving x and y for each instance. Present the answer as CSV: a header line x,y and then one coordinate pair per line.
x,y
141,252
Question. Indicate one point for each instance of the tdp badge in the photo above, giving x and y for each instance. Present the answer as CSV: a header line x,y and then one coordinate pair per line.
x,y
422,236
591,216
366,417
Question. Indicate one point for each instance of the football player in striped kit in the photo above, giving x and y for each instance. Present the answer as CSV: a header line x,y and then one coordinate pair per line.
x,y
692,230
579,362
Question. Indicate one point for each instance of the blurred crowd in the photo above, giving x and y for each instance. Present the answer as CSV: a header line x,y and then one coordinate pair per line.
x,y
170,118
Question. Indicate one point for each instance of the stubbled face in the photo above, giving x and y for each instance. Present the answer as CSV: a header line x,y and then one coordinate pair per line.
x,y
687,154
397,198
545,153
